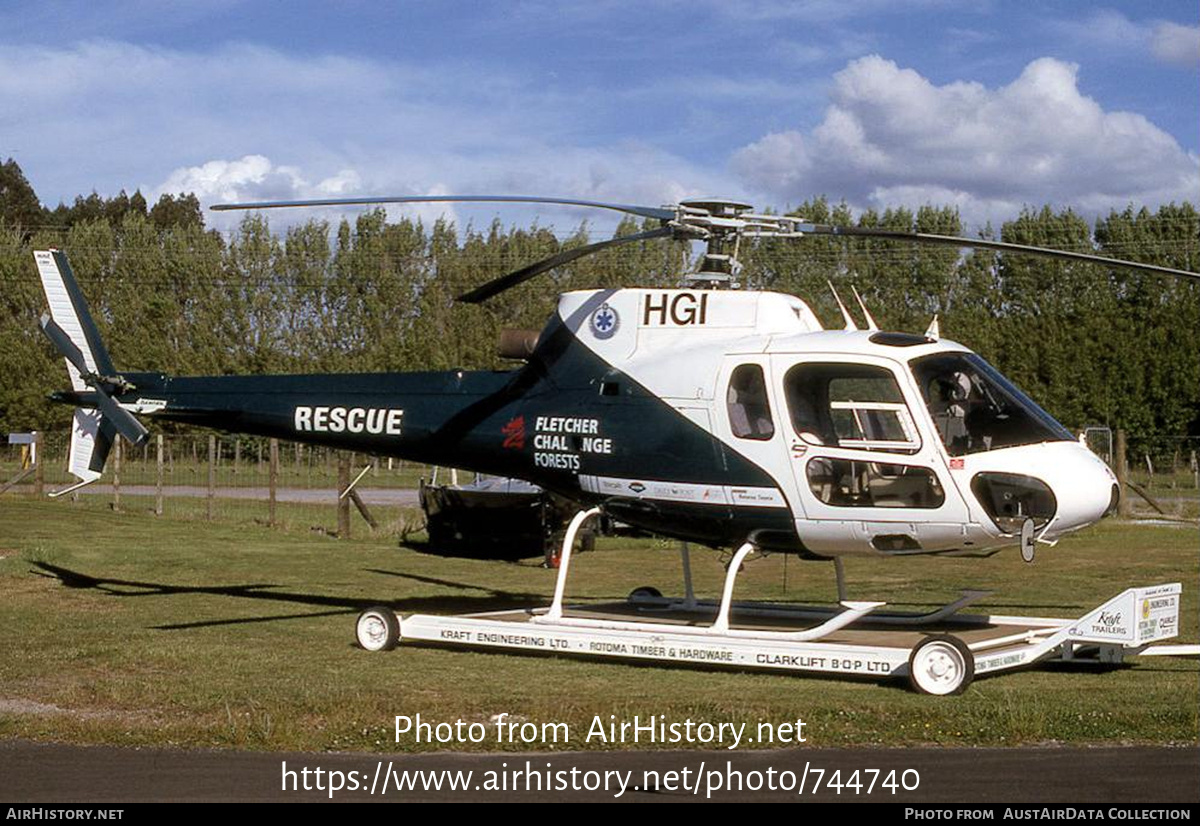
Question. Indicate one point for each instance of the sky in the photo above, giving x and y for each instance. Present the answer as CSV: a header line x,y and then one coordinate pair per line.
x,y
985,106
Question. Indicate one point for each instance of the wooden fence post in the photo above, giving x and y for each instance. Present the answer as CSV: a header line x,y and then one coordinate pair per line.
x,y
343,502
1124,508
117,450
212,477
272,481
158,478
39,464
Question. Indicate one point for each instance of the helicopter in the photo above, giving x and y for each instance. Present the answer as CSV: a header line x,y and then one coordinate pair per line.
x,y
719,416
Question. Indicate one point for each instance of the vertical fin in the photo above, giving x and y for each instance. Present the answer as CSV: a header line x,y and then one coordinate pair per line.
x,y
69,311
934,330
91,439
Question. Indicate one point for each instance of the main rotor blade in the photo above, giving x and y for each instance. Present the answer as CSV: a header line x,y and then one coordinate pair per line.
x,y
979,243
504,282
632,209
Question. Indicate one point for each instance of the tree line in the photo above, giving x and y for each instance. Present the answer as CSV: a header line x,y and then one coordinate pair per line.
x,y
1093,345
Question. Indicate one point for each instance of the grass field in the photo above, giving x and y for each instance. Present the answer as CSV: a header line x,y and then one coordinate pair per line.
x,y
126,629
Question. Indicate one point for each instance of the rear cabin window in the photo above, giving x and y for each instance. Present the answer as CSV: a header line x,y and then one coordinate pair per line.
x,y
746,400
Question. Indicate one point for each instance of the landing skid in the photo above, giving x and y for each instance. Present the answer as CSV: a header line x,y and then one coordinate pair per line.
x,y
940,652
650,599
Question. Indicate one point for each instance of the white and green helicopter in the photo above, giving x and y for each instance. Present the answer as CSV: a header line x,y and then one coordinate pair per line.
x,y
724,417
718,416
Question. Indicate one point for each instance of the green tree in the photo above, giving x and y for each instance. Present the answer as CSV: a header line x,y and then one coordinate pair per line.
x,y
19,205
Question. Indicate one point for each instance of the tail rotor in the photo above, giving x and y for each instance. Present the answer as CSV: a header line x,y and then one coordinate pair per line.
x,y
70,328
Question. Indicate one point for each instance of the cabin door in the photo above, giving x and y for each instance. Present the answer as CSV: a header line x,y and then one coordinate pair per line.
x,y
866,474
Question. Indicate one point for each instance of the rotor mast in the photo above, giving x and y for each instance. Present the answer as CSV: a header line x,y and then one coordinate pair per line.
x,y
719,223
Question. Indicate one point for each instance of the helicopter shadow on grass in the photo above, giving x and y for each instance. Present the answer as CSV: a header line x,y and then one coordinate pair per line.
x,y
496,552
486,600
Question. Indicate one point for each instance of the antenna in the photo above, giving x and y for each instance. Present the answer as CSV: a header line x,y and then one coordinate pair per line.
x,y
850,325
871,325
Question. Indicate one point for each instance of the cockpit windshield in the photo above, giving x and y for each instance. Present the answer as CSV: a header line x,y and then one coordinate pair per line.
x,y
975,408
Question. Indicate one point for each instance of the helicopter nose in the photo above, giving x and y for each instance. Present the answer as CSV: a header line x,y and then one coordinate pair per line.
x,y
1084,486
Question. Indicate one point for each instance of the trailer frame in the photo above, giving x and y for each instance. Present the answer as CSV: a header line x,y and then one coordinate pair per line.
x,y
940,652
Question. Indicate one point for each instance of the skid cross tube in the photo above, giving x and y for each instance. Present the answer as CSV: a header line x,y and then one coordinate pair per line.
x,y
722,623
564,562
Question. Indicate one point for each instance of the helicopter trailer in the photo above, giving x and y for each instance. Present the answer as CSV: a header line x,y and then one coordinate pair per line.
x,y
939,652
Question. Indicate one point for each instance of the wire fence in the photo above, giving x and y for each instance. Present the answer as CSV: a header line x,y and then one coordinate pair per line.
x,y
230,479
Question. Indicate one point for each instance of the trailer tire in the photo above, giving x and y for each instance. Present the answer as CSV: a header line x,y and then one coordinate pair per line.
x,y
377,629
941,664
645,592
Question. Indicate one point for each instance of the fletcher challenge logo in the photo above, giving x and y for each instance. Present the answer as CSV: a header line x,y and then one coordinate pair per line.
x,y
514,434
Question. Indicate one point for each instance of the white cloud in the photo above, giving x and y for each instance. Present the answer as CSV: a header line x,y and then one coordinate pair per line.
x,y
890,136
246,122
1176,44
1103,28
1113,32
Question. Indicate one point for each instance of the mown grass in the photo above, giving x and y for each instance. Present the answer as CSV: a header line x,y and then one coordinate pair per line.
x,y
128,629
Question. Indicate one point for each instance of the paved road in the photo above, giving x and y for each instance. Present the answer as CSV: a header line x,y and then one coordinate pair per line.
x,y
49,773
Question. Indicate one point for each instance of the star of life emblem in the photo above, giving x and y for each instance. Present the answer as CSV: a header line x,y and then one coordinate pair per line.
x,y
605,322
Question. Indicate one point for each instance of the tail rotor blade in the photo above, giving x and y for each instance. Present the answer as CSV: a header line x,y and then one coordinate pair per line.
x,y
122,419
63,344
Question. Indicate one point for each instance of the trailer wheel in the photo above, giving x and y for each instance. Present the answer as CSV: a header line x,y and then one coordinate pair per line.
x,y
377,629
941,664
645,592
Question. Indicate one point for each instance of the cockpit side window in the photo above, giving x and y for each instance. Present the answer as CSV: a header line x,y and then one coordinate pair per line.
x,y
975,408
849,405
746,401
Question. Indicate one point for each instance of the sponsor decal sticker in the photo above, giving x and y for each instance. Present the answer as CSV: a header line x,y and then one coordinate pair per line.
x,y
145,406
1109,624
